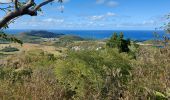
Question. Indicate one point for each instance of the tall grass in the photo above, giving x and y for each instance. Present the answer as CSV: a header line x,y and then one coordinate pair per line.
x,y
102,74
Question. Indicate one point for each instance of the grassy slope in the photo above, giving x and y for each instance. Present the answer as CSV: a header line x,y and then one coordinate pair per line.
x,y
149,75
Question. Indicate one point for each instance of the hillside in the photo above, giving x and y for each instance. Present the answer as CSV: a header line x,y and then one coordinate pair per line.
x,y
37,36
71,38
42,34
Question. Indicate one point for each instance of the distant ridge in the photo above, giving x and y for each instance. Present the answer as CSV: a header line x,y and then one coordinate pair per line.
x,y
41,34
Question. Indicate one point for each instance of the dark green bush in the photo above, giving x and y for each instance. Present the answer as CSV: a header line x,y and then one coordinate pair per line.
x,y
118,41
94,74
9,49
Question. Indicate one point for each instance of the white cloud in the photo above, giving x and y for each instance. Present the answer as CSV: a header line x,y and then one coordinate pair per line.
x,y
112,4
147,23
52,20
150,23
97,17
36,22
102,17
109,3
110,14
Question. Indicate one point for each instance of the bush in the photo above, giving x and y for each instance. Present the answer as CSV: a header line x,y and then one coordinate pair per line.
x,y
9,49
117,41
93,74
151,74
30,75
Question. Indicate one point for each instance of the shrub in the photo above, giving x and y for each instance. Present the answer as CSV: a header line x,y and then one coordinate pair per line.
x,y
93,74
117,41
151,74
31,76
9,49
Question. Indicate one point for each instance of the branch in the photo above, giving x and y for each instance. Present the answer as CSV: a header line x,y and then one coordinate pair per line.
x,y
6,9
24,10
5,20
29,4
16,4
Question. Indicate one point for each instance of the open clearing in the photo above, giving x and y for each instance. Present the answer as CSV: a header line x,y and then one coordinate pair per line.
x,y
30,46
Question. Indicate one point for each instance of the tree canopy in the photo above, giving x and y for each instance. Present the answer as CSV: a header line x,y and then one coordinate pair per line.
x,y
118,41
16,8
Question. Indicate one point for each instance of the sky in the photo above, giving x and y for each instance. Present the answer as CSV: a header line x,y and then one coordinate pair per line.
x,y
97,15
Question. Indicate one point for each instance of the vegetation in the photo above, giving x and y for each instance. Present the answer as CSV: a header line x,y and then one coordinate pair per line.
x,y
118,41
66,40
41,34
86,74
93,73
38,36
70,38
150,75
29,76
7,38
2,55
9,49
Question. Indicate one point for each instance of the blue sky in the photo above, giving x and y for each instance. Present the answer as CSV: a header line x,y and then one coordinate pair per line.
x,y
98,15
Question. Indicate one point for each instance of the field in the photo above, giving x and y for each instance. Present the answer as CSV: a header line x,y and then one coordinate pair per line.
x,y
30,46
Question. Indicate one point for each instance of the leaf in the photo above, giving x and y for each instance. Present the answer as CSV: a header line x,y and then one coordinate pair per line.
x,y
159,95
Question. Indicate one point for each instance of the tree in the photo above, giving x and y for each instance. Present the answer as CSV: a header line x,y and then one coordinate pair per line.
x,y
17,8
167,28
163,39
9,38
113,41
118,41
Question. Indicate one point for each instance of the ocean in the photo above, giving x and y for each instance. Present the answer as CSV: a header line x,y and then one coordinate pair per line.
x,y
139,35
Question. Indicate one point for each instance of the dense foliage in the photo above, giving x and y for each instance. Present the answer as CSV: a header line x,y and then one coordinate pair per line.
x,y
42,34
66,40
87,74
5,37
9,49
93,73
118,41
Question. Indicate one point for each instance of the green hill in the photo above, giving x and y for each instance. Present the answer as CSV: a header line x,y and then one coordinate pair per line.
x,y
42,34
68,38
36,36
